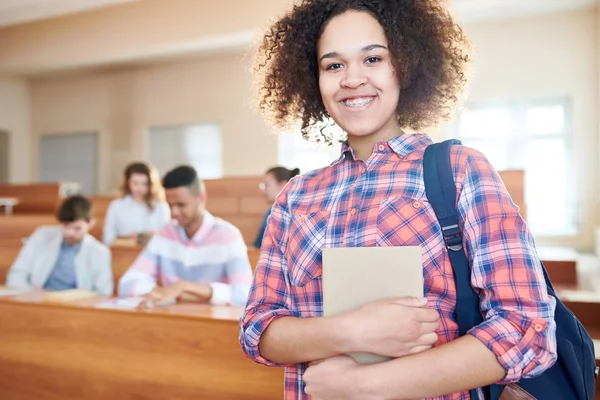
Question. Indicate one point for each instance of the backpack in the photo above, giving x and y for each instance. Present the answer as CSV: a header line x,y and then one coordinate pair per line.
x,y
573,375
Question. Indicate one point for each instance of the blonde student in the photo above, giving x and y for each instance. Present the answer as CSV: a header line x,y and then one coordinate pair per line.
x,y
376,68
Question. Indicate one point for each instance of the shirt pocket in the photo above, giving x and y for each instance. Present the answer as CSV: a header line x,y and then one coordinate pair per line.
x,y
407,221
307,237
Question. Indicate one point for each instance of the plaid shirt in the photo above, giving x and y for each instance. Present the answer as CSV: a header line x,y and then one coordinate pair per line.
x,y
382,202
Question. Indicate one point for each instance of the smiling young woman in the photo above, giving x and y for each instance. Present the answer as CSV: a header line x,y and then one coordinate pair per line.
x,y
377,67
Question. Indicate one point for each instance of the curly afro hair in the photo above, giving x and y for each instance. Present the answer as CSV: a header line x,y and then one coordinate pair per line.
x,y
429,53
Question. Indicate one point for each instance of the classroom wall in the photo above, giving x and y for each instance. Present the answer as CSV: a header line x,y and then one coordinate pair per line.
x,y
121,106
15,118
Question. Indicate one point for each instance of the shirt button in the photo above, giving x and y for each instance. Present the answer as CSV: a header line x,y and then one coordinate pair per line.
x,y
381,147
538,327
416,205
353,211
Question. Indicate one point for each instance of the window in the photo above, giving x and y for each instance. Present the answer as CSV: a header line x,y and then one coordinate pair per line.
x,y
69,158
534,137
296,152
199,145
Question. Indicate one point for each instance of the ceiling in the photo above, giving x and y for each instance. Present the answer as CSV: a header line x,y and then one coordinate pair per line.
x,y
14,12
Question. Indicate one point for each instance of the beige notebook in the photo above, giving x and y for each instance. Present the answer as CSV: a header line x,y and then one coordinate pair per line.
x,y
355,276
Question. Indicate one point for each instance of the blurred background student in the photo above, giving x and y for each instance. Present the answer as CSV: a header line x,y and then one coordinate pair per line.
x,y
272,183
141,211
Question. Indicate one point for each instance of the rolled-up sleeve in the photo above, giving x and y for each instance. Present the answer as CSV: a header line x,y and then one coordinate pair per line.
x,y
519,326
269,296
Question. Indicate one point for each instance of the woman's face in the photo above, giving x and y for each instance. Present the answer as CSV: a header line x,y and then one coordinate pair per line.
x,y
357,80
271,188
138,186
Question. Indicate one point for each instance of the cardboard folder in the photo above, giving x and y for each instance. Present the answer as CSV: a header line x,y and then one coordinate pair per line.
x,y
355,276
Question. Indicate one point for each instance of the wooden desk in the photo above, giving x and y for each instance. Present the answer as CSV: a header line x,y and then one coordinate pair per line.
x,y
74,351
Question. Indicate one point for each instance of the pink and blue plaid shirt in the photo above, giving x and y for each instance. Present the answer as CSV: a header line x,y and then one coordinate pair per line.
x,y
382,202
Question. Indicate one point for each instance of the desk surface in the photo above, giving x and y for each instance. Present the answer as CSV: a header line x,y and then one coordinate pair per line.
x,y
78,351
180,310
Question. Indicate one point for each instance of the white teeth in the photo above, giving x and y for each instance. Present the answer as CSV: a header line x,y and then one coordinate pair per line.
x,y
359,102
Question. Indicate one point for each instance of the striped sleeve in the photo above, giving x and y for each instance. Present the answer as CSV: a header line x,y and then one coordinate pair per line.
x,y
238,273
519,326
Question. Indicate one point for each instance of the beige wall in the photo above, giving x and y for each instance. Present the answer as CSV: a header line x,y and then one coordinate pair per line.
x,y
15,118
121,106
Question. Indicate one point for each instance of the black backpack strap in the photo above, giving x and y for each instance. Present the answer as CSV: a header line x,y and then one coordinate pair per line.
x,y
441,193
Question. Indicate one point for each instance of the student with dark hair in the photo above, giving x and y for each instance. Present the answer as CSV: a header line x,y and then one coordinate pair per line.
x,y
141,210
198,257
273,181
66,256
377,68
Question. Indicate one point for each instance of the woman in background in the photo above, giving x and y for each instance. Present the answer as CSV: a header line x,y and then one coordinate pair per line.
x,y
141,210
272,183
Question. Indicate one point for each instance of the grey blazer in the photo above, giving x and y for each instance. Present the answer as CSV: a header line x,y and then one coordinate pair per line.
x,y
39,254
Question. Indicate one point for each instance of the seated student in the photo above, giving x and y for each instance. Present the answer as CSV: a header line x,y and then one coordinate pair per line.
x,y
65,257
141,211
272,183
198,258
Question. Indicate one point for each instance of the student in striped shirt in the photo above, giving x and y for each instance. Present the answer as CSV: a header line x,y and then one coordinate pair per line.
x,y
377,67
198,257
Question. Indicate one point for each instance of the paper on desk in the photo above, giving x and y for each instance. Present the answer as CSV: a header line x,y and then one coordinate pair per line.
x,y
128,303
355,276
132,303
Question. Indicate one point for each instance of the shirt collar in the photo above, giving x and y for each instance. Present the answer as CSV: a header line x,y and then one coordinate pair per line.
x,y
405,146
208,222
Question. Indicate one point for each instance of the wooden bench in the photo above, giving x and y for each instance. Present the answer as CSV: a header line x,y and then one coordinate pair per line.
x,y
8,203
39,198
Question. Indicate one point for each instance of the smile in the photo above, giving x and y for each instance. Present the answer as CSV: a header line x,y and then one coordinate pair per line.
x,y
358,102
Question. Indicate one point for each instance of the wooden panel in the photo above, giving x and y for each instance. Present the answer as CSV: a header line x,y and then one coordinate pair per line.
x,y
100,204
122,258
254,205
588,312
253,255
238,187
98,228
50,351
514,180
220,205
20,226
561,264
8,254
